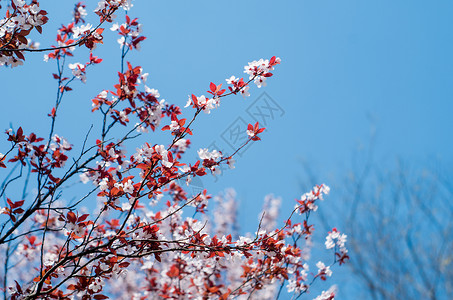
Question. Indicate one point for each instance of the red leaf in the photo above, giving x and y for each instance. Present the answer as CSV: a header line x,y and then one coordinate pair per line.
x,y
83,217
20,55
71,217
53,113
31,239
271,62
213,87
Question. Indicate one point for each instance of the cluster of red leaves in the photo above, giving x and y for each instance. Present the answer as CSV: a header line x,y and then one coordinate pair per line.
x,y
253,131
23,19
78,18
215,90
178,126
131,33
42,159
14,209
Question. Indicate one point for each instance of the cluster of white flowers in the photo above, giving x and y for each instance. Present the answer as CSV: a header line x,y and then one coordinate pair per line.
x,y
32,44
134,31
125,4
174,126
328,295
144,153
317,192
294,287
24,17
212,157
243,89
162,151
154,115
206,154
243,241
81,11
205,103
123,116
50,258
335,238
78,70
127,187
60,142
181,145
153,92
96,285
323,269
74,228
257,70
80,30
250,133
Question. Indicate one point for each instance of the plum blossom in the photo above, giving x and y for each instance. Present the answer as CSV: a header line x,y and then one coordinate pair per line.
x,y
206,154
232,80
79,13
205,103
77,229
96,285
103,185
78,70
81,30
322,269
260,81
116,26
328,295
128,187
182,144
231,161
153,92
18,25
162,151
50,258
174,125
243,241
245,91
335,238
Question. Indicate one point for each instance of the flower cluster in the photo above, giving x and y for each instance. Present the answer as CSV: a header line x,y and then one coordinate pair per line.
x,y
308,200
328,295
14,29
148,238
79,13
337,240
130,33
260,70
210,159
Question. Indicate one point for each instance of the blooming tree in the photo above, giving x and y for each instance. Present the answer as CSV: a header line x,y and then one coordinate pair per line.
x,y
147,238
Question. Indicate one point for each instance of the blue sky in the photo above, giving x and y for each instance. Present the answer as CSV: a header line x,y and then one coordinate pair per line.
x,y
350,70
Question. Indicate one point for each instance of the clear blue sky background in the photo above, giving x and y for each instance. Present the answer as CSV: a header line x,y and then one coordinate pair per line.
x,y
349,69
